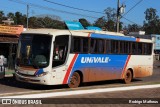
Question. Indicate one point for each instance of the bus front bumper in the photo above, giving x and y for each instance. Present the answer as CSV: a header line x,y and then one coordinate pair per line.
x,y
44,80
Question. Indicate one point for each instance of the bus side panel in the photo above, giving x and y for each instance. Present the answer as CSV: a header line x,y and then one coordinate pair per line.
x,y
142,66
96,67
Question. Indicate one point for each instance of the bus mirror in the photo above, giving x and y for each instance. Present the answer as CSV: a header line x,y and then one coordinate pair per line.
x,y
40,61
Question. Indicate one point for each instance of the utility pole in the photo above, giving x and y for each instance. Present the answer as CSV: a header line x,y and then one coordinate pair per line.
x,y
120,10
118,15
27,14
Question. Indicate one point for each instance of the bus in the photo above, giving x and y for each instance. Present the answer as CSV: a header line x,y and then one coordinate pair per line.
x,y
56,57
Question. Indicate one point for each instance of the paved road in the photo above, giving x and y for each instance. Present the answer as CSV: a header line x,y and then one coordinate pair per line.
x,y
133,98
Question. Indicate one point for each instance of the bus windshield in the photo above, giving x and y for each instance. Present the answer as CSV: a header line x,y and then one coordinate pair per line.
x,y
34,50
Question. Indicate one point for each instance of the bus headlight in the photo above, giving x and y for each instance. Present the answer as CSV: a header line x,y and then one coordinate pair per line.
x,y
42,74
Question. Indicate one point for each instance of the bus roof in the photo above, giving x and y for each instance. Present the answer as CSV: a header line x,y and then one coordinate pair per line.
x,y
85,33
50,31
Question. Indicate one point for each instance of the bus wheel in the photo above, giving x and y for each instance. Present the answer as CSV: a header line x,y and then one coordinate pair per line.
x,y
128,77
74,80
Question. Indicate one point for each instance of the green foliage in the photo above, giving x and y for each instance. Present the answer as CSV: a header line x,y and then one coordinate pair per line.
x,y
11,16
152,21
150,14
108,21
100,22
44,21
1,16
134,28
110,14
84,22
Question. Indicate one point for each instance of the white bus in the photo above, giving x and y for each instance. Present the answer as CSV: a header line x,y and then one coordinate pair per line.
x,y
51,57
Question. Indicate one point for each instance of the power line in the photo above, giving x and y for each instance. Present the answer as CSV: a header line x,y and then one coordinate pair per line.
x,y
130,21
129,11
61,11
133,7
73,7
52,9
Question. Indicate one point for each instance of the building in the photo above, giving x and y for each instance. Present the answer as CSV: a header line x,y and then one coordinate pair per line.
x,y
156,43
9,35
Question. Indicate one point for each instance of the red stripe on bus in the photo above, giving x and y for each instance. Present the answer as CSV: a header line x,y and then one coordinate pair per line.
x,y
69,69
124,69
137,39
36,72
89,35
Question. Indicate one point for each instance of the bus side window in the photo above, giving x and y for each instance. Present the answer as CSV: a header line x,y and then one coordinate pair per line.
x,y
85,45
108,46
126,47
93,46
80,45
139,49
121,49
76,44
100,46
114,48
134,50
147,47
97,46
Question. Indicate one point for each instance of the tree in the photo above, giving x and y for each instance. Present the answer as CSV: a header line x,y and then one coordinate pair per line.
x,y
18,16
1,16
45,22
110,14
109,20
59,24
134,28
152,21
31,22
84,22
100,22
10,15
20,19
150,14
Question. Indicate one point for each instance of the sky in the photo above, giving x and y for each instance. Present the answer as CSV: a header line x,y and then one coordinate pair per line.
x,y
136,15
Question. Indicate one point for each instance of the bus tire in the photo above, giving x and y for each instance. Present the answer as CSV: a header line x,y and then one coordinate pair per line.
x,y
75,80
128,77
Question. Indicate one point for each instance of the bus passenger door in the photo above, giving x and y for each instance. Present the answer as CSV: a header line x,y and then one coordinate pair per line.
x,y
60,72
60,52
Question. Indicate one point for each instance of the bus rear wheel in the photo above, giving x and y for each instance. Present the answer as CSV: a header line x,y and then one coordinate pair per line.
x,y
74,80
128,77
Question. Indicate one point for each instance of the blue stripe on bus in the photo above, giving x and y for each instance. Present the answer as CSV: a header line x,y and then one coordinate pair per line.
x,y
38,72
100,61
93,35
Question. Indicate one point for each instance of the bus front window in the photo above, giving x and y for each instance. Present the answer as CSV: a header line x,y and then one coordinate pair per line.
x,y
60,50
34,50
